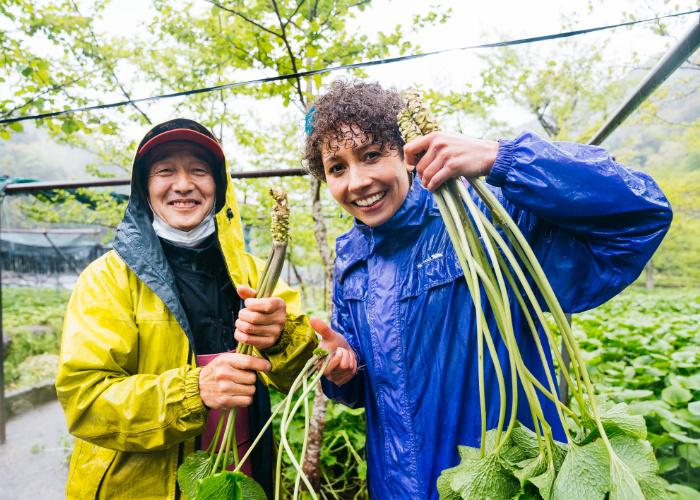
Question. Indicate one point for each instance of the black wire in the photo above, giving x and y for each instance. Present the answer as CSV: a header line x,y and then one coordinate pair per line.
x,y
302,74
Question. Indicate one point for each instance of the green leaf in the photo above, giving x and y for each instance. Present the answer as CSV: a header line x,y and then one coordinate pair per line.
x,y
623,485
683,438
250,489
667,464
229,485
69,126
484,478
585,473
638,457
544,482
617,420
691,452
680,492
694,408
196,466
676,396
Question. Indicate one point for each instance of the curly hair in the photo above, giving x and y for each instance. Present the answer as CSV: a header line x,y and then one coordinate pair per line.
x,y
349,113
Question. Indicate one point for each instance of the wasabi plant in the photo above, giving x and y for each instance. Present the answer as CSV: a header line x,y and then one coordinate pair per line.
x,y
204,474
606,454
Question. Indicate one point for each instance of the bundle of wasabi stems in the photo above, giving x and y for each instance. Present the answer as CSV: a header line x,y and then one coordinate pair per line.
x,y
606,454
204,474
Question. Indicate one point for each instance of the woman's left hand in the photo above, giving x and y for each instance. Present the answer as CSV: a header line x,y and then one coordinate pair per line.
x,y
440,156
261,322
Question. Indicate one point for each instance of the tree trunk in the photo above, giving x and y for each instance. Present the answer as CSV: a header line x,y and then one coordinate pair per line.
x,y
649,270
312,460
322,243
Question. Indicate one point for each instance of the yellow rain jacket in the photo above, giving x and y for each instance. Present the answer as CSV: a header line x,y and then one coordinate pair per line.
x,y
127,379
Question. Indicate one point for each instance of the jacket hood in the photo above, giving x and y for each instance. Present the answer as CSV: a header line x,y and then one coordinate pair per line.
x,y
139,247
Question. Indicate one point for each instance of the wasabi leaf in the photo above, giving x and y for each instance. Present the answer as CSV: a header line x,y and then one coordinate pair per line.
x,y
544,482
623,485
639,457
250,488
676,396
196,466
617,420
680,492
484,478
585,473
218,486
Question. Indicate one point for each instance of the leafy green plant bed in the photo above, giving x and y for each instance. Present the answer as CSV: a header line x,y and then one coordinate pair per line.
x,y
643,348
32,320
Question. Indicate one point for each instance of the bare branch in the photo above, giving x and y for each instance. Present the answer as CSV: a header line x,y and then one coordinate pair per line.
x,y
244,17
296,9
110,67
293,60
59,86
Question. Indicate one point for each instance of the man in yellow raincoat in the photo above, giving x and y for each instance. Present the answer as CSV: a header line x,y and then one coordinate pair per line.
x,y
177,286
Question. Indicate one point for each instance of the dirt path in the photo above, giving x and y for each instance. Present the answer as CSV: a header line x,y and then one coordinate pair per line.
x,y
33,459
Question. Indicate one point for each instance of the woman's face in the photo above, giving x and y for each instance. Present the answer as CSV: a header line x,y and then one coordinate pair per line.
x,y
370,184
181,187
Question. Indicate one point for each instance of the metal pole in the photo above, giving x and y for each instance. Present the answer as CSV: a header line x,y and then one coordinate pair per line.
x,y
656,76
28,187
676,56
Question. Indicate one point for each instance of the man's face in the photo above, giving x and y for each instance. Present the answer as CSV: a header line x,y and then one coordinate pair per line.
x,y
181,186
370,184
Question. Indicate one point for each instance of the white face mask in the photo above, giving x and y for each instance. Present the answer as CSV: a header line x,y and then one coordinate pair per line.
x,y
187,239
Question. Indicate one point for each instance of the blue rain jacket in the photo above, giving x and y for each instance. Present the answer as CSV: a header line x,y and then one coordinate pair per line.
x,y
403,305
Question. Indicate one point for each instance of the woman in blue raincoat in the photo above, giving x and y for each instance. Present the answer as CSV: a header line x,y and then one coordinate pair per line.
x,y
403,316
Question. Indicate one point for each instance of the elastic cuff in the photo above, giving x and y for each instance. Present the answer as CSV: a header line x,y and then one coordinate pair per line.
x,y
504,160
193,402
282,342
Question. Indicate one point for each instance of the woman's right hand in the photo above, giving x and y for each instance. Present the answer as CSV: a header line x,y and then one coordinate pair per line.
x,y
229,380
343,364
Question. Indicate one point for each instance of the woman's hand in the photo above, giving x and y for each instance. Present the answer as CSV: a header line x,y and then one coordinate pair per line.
x,y
343,364
261,322
229,380
439,156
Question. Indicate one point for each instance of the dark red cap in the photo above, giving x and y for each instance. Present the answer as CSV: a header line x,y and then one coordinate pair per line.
x,y
182,134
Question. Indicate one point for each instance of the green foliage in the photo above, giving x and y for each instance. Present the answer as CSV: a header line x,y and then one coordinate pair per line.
x,y
22,309
233,485
195,467
343,465
642,349
677,261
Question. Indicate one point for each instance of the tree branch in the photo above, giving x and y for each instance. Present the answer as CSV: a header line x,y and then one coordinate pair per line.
x,y
293,60
110,67
289,18
50,89
245,18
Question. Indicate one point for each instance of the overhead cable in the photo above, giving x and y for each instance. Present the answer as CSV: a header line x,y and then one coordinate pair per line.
x,y
330,69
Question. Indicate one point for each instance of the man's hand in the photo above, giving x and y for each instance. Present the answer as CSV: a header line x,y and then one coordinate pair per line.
x,y
229,380
440,156
261,322
343,364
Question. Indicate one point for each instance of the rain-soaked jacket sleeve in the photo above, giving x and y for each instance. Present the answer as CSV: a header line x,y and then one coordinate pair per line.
x,y
297,341
592,223
351,393
106,401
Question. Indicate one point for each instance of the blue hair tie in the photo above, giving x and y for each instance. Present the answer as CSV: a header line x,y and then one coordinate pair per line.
x,y
309,120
